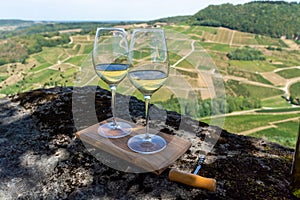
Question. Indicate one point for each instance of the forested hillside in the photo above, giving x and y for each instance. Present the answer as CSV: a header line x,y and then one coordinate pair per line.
x,y
272,18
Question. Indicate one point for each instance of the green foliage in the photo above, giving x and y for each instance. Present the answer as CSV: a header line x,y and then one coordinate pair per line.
x,y
207,22
176,19
246,53
242,103
296,193
272,18
37,41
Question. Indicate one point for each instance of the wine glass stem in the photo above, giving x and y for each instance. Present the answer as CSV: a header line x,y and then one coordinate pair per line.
x,y
147,101
113,103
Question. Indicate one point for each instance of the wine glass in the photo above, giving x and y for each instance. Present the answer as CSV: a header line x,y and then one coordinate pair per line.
x,y
148,71
110,60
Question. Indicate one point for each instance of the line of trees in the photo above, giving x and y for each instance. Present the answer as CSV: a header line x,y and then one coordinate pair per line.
x,y
246,53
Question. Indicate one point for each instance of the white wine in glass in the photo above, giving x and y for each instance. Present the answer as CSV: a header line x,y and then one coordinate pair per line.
x,y
110,60
148,72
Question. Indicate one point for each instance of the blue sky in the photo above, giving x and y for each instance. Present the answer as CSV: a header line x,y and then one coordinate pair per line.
x,y
98,10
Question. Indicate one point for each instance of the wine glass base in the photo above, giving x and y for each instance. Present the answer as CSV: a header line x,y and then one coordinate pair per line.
x,y
140,144
109,130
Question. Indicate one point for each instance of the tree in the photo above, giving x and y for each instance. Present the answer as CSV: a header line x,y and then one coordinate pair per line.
x,y
245,53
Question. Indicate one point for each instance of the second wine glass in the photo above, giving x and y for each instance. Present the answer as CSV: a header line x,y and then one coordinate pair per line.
x,y
148,71
110,60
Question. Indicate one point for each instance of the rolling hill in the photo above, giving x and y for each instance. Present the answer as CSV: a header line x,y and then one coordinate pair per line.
x,y
272,18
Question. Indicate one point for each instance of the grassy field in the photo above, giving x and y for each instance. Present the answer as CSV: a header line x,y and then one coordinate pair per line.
x,y
76,60
285,58
285,133
181,47
40,67
295,90
257,66
262,92
50,55
240,123
279,110
216,47
220,35
251,76
87,49
290,73
275,102
248,90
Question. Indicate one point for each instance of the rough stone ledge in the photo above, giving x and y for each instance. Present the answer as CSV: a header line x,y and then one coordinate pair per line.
x,y
40,158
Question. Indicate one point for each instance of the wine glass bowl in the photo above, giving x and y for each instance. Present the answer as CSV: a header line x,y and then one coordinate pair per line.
x,y
149,69
110,61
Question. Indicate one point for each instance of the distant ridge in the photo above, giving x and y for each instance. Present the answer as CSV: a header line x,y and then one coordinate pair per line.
x,y
14,22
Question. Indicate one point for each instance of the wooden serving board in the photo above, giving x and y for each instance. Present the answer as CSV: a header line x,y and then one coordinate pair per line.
x,y
155,163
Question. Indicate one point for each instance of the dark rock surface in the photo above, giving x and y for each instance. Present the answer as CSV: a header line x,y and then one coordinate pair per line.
x,y
40,157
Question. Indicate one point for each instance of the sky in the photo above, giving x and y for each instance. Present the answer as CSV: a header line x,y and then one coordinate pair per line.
x,y
102,10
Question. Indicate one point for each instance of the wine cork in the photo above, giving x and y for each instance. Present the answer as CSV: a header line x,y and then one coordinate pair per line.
x,y
192,180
